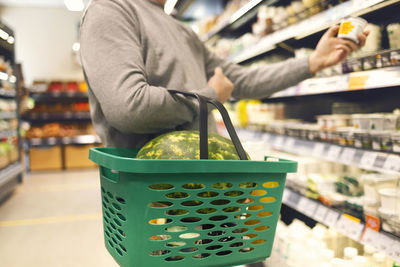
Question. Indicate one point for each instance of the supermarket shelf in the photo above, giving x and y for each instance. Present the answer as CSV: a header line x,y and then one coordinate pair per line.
x,y
58,96
234,18
64,116
365,159
307,27
8,115
383,242
10,172
73,140
8,133
7,93
363,80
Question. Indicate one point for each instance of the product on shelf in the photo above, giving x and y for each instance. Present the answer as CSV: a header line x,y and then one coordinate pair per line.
x,y
298,245
60,130
351,27
71,87
393,31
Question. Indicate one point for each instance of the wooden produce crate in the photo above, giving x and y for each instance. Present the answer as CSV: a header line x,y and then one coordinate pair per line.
x,y
77,156
45,158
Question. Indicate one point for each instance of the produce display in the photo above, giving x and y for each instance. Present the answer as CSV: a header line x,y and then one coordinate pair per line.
x,y
57,129
185,145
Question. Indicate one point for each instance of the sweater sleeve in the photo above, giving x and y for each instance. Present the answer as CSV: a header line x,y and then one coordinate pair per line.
x,y
259,82
113,62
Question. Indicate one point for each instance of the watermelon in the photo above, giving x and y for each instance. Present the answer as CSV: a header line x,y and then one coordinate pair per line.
x,y
185,145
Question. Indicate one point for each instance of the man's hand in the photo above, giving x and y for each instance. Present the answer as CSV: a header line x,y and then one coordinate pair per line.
x,y
221,84
332,50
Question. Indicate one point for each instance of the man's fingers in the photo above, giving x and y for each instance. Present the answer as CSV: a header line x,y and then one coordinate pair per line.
x,y
344,48
218,71
350,44
332,32
362,38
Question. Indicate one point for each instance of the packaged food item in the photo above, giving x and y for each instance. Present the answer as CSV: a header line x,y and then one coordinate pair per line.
x,y
373,182
390,199
374,40
360,121
362,139
332,122
351,27
396,142
393,31
383,121
381,141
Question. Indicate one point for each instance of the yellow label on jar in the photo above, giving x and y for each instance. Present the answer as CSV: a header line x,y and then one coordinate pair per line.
x,y
346,27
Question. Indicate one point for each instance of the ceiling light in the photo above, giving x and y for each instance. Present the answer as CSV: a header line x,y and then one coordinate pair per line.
x,y
3,76
169,6
10,40
3,35
76,47
74,5
13,79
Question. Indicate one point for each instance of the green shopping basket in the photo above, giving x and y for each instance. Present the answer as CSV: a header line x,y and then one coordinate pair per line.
x,y
189,212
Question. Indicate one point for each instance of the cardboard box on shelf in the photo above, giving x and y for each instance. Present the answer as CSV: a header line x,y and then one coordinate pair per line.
x,y
45,158
77,156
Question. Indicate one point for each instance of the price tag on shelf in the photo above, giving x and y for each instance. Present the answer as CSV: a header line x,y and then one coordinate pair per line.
x,y
290,144
331,218
334,152
279,142
311,208
369,238
347,155
293,200
395,250
392,163
321,213
355,231
368,160
302,205
51,140
318,150
266,138
349,227
384,244
285,196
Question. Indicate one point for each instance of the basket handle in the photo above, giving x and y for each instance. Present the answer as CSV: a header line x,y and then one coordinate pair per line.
x,y
203,124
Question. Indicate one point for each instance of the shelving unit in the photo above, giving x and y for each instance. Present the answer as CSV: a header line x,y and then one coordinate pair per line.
x,y
241,16
58,147
312,25
11,174
384,242
74,140
363,80
364,159
55,117
376,89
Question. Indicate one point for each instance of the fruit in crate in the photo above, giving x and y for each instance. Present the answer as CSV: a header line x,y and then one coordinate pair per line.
x,y
185,145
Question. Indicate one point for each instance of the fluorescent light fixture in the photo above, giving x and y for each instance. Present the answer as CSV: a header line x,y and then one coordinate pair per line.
x,y
169,6
3,76
74,5
13,79
10,40
4,35
76,47
243,10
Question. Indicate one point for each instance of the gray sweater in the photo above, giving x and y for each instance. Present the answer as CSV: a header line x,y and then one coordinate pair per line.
x,y
131,52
